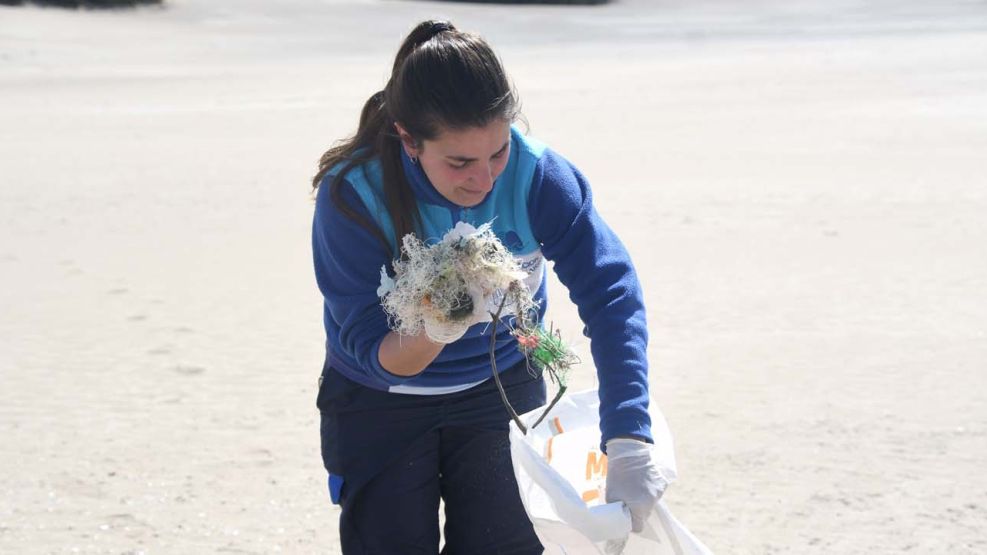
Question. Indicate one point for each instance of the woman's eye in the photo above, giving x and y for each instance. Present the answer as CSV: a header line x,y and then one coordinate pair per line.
x,y
462,165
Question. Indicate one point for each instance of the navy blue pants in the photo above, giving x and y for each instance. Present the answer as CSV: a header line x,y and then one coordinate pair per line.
x,y
391,457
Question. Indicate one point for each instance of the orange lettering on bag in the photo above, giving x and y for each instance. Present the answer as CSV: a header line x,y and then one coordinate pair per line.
x,y
595,465
590,495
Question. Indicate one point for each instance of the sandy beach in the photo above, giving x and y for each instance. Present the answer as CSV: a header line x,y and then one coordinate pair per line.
x,y
802,186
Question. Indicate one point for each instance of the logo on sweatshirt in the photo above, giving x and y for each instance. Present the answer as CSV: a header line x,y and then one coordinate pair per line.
x,y
513,241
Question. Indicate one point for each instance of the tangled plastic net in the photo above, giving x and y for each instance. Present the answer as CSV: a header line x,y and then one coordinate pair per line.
x,y
546,350
461,279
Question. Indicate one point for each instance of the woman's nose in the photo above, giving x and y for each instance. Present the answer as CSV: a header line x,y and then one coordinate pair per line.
x,y
484,177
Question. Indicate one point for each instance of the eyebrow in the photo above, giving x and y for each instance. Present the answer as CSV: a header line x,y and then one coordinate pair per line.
x,y
466,159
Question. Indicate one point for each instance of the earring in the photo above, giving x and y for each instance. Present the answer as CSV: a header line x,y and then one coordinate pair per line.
x,y
414,159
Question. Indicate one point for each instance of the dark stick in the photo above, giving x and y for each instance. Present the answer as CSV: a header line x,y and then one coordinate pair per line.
x,y
558,396
493,364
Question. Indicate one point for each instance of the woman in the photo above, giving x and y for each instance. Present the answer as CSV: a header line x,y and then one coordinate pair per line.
x,y
407,420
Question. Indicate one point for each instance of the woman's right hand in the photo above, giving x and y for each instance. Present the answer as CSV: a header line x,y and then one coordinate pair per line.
x,y
446,332
450,331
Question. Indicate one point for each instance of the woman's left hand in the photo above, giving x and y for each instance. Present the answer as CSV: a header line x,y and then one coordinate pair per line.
x,y
633,478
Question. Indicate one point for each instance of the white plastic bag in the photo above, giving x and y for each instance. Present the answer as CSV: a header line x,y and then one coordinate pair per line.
x,y
561,474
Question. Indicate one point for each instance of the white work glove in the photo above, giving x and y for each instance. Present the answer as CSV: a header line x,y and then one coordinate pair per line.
x,y
450,331
633,478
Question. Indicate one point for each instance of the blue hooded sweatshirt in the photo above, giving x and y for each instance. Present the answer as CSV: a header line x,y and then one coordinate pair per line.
x,y
540,208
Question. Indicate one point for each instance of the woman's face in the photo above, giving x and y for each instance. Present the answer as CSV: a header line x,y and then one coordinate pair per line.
x,y
463,164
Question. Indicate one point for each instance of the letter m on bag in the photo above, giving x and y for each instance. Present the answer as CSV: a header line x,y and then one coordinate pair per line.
x,y
596,464
596,468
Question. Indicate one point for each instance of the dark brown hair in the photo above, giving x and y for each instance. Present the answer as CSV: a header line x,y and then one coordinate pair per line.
x,y
442,78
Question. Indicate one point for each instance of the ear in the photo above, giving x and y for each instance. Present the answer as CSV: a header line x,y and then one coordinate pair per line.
x,y
409,143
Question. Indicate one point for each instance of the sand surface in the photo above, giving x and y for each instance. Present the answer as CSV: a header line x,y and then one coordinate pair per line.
x,y
802,185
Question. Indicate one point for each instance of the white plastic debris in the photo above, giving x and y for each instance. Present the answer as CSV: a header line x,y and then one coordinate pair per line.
x,y
446,287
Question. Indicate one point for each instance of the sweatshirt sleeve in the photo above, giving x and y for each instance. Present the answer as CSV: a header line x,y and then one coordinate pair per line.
x,y
596,269
347,260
